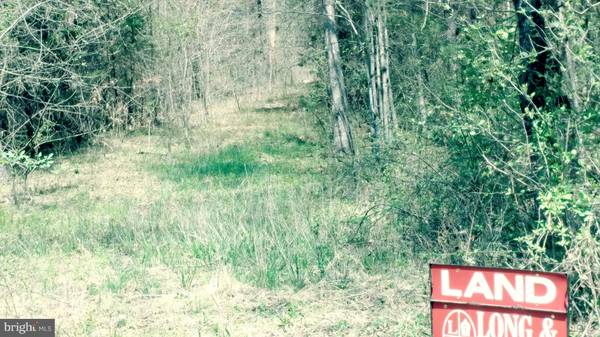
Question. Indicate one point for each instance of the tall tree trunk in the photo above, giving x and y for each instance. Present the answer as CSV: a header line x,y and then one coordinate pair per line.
x,y
421,101
206,82
532,38
452,35
570,71
271,28
539,95
371,68
381,101
385,103
389,93
342,133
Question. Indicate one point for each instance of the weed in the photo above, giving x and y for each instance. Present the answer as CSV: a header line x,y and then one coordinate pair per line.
x,y
117,284
187,274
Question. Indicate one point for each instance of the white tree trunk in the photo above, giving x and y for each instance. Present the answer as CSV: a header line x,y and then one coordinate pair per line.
x,y
389,91
342,133
271,28
380,88
373,98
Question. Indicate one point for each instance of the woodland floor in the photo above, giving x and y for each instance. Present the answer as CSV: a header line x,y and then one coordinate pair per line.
x,y
237,234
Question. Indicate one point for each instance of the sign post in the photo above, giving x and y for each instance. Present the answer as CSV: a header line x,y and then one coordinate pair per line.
x,y
493,302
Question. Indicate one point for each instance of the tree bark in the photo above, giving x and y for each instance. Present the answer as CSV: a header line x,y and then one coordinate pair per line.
x,y
342,133
570,72
381,101
390,93
539,94
385,99
421,100
206,82
532,38
373,98
271,28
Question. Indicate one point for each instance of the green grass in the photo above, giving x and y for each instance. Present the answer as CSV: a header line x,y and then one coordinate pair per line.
x,y
258,201
275,155
232,162
254,206
253,214
261,205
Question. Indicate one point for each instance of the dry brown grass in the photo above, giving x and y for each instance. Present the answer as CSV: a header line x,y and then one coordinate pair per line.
x,y
216,304
108,293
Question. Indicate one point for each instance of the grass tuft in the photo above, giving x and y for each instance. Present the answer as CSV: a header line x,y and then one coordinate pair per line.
x,y
233,161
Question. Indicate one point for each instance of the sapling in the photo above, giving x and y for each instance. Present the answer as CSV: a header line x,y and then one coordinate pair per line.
x,y
21,165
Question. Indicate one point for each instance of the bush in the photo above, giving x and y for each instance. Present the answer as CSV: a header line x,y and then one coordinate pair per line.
x,y
67,66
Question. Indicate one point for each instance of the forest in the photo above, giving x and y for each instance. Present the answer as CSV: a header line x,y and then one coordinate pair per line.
x,y
291,167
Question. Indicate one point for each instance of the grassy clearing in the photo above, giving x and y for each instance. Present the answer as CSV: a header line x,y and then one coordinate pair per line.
x,y
239,235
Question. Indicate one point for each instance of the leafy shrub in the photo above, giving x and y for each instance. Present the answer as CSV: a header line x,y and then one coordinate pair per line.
x,y
21,165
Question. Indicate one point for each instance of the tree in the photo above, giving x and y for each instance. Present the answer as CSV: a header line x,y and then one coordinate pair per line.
x,y
342,132
271,29
381,104
531,27
70,69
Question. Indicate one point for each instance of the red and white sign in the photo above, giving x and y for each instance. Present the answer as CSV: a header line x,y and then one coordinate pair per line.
x,y
490,302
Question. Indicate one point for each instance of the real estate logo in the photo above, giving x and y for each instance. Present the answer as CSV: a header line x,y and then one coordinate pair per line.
x,y
458,323
27,328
